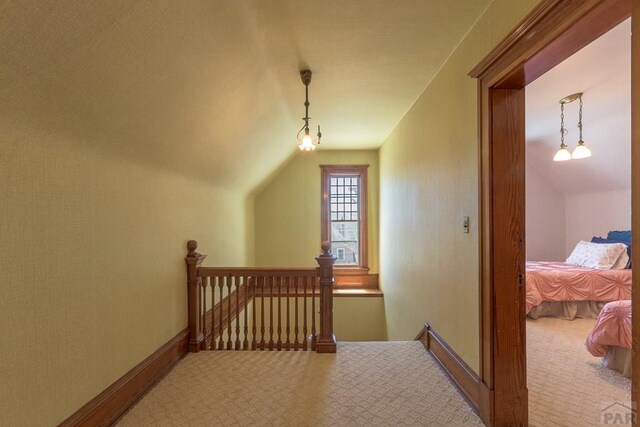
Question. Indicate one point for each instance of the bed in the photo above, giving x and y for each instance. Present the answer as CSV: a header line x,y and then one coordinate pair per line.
x,y
568,291
611,337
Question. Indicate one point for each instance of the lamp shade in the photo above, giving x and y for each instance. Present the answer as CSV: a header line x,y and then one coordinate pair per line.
x,y
562,155
307,144
581,151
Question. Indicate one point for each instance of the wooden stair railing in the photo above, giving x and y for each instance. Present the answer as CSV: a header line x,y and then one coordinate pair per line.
x,y
260,308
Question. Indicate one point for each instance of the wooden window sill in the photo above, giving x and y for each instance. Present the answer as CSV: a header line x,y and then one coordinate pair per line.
x,y
375,293
355,280
350,271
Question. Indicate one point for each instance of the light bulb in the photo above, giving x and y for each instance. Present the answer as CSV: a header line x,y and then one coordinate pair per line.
x,y
562,155
307,144
581,151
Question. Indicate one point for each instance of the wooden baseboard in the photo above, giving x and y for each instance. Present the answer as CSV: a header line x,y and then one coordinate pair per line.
x,y
460,373
112,403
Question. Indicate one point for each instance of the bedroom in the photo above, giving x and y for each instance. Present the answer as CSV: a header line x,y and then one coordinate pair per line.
x,y
578,227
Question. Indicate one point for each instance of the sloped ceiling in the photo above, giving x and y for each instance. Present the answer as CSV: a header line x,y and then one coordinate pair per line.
x,y
211,88
602,70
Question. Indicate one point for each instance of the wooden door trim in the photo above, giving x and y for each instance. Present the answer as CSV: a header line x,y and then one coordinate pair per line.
x,y
552,32
635,196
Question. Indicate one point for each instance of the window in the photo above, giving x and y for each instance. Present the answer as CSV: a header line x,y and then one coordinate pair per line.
x,y
344,213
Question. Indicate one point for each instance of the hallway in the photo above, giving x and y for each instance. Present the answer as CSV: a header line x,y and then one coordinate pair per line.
x,y
373,383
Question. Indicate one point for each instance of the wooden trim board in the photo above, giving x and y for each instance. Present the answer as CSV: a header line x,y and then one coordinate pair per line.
x,y
107,407
635,197
462,376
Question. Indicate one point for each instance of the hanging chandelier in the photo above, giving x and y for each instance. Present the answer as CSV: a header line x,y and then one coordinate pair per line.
x,y
581,151
306,142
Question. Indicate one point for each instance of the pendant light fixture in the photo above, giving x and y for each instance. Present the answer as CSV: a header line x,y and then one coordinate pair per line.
x,y
581,151
306,142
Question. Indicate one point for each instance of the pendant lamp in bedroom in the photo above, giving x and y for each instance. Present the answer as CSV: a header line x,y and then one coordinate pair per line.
x,y
581,151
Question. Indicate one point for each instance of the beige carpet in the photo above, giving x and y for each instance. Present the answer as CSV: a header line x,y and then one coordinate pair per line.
x,y
368,384
567,386
388,384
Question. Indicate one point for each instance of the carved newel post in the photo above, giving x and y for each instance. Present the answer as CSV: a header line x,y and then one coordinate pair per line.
x,y
194,260
326,342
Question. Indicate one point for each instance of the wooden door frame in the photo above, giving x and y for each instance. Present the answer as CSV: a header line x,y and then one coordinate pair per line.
x,y
552,32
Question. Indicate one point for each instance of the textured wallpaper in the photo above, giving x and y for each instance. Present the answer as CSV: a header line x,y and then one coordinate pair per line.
x,y
92,266
429,167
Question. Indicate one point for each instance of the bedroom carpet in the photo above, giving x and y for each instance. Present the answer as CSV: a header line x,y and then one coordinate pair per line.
x,y
567,386
368,384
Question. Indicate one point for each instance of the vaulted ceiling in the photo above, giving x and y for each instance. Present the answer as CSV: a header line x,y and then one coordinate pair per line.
x,y
211,87
602,70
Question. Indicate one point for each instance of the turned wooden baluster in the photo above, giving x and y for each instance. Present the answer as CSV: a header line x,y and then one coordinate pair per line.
x,y
313,313
271,313
245,343
305,343
203,320
230,280
296,343
193,261
279,343
254,295
221,280
326,342
239,283
262,342
213,312
287,344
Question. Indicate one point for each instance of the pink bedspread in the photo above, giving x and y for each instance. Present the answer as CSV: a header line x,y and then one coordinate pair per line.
x,y
558,281
612,328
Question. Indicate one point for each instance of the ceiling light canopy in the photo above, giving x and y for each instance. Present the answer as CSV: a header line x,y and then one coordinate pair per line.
x,y
306,142
581,151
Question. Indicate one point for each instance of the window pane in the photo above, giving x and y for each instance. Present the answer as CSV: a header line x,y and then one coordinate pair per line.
x,y
344,218
344,241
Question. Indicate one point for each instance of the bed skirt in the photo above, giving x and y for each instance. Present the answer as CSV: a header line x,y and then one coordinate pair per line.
x,y
567,310
619,359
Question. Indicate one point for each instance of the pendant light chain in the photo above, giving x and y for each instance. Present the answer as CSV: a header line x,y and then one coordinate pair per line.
x,y
306,107
580,119
562,131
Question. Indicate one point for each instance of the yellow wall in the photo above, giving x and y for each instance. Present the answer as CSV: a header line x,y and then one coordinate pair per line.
x,y
428,183
96,205
287,210
92,265
287,232
359,319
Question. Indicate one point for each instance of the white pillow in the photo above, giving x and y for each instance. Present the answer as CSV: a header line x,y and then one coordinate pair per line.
x,y
622,262
602,256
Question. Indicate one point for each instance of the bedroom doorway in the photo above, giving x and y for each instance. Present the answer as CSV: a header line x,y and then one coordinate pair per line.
x,y
551,33
578,228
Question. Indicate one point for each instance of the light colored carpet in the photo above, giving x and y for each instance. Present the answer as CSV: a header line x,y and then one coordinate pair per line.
x,y
387,384
568,386
368,384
